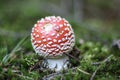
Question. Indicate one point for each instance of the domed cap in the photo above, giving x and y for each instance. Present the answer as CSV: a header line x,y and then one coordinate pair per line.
x,y
52,36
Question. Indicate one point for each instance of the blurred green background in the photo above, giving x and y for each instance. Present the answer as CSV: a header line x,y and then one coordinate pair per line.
x,y
92,20
17,17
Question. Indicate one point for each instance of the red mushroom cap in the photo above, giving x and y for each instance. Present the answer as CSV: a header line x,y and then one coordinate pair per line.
x,y
52,36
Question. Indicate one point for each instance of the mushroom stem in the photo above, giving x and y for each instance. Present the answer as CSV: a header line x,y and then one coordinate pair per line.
x,y
58,64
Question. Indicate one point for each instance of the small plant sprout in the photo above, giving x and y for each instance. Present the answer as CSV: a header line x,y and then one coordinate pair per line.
x,y
53,37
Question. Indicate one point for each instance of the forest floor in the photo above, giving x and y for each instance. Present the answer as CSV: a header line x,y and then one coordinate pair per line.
x,y
96,55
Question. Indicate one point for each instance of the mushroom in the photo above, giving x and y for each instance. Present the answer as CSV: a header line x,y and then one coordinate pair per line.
x,y
51,38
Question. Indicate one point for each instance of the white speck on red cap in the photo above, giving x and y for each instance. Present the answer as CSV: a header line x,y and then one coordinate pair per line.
x,y
52,36
54,40
59,41
49,39
50,42
61,25
39,41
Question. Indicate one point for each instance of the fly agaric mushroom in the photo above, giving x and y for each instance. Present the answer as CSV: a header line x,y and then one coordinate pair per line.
x,y
51,37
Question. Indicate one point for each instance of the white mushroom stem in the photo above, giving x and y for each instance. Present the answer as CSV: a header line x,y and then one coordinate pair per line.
x,y
58,64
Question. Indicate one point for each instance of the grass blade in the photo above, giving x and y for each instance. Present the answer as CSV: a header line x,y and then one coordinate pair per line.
x,y
12,53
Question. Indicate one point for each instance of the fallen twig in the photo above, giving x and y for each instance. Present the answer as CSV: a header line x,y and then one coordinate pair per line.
x,y
53,75
105,60
72,57
83,71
